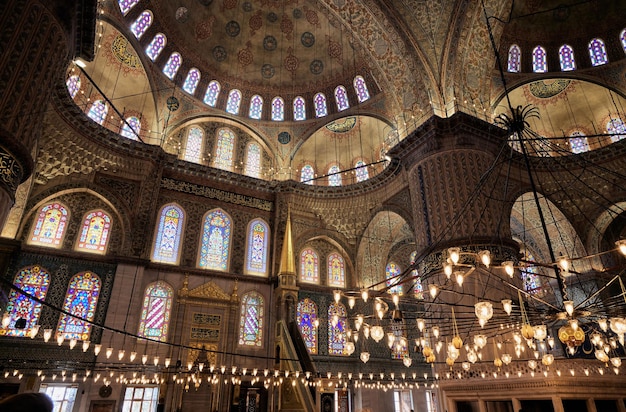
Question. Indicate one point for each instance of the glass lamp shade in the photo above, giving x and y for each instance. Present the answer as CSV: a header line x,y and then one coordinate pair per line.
x,y
506,358
601,356
457,342
547,359
466,366
480,341
472,356
377,333
431,358
349,347
618,325
532,364
571,337
365,356
483,310
449,362
540,332
407,361
528,332
427,351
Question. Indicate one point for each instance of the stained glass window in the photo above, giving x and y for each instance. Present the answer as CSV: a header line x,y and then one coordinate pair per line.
x,y
81,301
578,142
309,266
142,23
94,234
234,101
334,176
306,314
418,288
341,98
168,234
299,109
597,52
215,241
360,87
278,109
258,240
336,270
616,128
256,107
98,111
540,64
622,37
35,281
251,321
131,132
173,64
191,82
392,272
337,328
399,346
212,91
514,62
50,225
224,149
360,169
156,46
126,5
320,105
253,160
155,311
528,271
73,85
193,148
566,58
307,174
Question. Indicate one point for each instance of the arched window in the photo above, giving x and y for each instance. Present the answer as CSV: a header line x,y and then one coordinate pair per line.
x,y
334,176
251,321
81,301
256,107
360,170
215,241
194,145
156,46
307,174
418,288
94,234
341,98
320,105
360,88
253,160
155,311
399,346
306,317
540,65
578,142
278,109
258,241
173,64
131,128
336,270
142,23
528,271
299,108
337,328
514,63
566,58
126,5
597,52
234,102
191,82
309,266
98,111
224,149
73,85
616,128
168,234
622,37
392,272
212,91
35,281
49,228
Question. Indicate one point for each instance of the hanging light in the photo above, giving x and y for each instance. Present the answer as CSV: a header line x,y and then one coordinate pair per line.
x,y
603,323
483,311
365,356
447,270
86,344
436,331
621,245
337,295
407,361
454,253
618,325
96,349
480,341
350,347
459,277
420,324
540,332
60,339
109,352
73,342
506,358
569,307
364,295
507,306
472,356
351,302
547,359
6,320
47,334
508,268
120,354
433,290
377,333
564,263
34,331
485,257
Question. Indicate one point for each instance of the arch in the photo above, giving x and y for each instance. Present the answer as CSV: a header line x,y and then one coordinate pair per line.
x,y
341,98
214,250
360,88
360,171
540,64
566,58
126,5
173,64
49,228
514,63
192,80
299,108
142,23
212,93
131,128
95,232
194,145
319,102
253,164
34,280
224,149
578,142
278,109
234,102
156,46
257,247
166,248
156,311
622,38
251,320
307,320
73,85
334,176
81,301
256,107
307,174
336,270
98,111
309,266
337,328
616,128
597,52
392,273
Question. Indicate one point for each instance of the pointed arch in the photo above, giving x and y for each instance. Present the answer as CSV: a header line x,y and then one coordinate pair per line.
x,y
334,176
212,92
194,146
309,266
578,142
360,88
173,64
126,5
73,85
278,109
192,80
597,52
131,128
50,224
98,111
341,98
299,108
337,328
616,128
156,46
95,232
319,101
34,280
234,102
307,174
566,58
251,320
361,172
307,320
81,301
257,247
224,149
336,270
540,64
169,231
142,23
215,242
156,311
622,38
256,107
514,62
253,160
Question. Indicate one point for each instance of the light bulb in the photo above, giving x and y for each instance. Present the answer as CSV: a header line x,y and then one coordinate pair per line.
x,y
485,257
47,334
621,245
436,331
454,253
144,359
120,354
156,361
396,299
507,306
337,295
168,361
109,352
86,344
96,349
60,339
564,263
73,342
447,269
420,324
351,302
569,307
33,331
6,320
433,290
364,295
459,278
508,268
